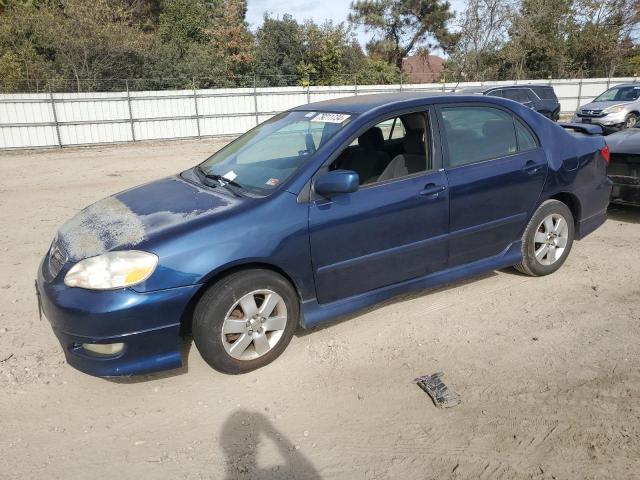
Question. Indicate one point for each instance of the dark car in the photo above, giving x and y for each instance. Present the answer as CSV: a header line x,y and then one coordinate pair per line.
x,y
321,211
540,98
624,169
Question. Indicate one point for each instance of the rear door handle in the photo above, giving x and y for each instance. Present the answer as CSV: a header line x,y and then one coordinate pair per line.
x,y
531,167
432,190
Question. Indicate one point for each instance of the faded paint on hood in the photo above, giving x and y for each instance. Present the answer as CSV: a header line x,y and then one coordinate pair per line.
x,y
134,216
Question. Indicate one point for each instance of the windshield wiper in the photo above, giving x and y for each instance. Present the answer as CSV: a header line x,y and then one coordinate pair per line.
x,y
222,180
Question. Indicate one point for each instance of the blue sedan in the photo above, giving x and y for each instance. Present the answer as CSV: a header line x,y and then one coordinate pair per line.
x,y
320,211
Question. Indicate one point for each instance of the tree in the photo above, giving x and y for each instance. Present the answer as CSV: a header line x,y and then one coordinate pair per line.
x,y
400,26
72,39
538,35
279,50
483,31
207,40
326,52
601,39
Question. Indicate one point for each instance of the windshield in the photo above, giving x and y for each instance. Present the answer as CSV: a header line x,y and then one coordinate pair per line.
x,y
269,154
620,94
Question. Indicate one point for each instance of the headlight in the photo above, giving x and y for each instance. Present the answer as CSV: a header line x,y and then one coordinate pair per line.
x,y
112,270
614,109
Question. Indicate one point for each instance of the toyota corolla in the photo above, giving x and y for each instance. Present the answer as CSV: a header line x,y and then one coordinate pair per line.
x,y
320,211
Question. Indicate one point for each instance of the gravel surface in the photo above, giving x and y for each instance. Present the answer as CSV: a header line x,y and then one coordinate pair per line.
x,y
548,369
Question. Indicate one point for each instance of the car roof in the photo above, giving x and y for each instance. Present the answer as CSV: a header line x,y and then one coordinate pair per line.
x,y
363,103
488,88
633,84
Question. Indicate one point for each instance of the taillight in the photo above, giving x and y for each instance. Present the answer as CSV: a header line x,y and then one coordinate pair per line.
x,y
606,154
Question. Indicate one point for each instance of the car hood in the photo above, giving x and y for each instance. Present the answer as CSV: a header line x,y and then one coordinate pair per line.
x,y
625,141
602,105
133,217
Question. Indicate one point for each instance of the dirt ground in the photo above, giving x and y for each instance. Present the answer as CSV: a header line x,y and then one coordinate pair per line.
x,y
548,368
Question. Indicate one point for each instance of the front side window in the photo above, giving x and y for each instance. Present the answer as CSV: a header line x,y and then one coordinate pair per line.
x,y
394,148
263,158
620,94
475,134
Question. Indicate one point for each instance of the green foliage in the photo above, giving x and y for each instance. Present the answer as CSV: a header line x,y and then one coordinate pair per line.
x,y
400,26
545,38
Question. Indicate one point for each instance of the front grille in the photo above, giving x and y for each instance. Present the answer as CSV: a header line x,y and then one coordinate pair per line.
x,y
590,113
57,258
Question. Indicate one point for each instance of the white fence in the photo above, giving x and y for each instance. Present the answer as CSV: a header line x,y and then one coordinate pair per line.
x,y
66,119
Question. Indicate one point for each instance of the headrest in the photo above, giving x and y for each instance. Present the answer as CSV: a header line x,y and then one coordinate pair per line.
x,y
413,142
497,128
371,139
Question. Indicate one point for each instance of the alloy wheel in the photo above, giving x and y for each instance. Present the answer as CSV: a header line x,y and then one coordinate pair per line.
x,y
254,325
551,239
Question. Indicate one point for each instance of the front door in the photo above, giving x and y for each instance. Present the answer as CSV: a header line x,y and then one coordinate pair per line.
x,y
393,229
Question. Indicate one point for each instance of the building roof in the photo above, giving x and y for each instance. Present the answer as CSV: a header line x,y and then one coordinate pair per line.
x,y
422,68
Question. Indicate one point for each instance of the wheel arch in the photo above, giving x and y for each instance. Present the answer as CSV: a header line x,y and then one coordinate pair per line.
x,y
217,275
571,201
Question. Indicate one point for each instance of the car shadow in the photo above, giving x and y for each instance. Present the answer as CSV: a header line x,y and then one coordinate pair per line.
x,y
624,213
244,434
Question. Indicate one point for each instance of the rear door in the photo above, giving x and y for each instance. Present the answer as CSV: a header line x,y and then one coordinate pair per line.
x,y
495,170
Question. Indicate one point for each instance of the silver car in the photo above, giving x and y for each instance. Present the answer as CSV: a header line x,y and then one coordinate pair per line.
x,y
618,107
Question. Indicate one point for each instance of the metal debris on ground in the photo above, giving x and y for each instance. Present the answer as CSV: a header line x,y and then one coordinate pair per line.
x,y
442,396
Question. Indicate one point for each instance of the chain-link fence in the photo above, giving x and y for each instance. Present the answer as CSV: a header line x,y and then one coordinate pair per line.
x,y
57,113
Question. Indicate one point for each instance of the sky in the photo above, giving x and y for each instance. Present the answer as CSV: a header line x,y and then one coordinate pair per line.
x,y
318,10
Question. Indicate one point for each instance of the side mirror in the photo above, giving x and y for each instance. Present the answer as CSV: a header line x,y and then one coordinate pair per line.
x,y
335,182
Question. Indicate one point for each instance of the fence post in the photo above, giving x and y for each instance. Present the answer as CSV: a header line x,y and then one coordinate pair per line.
x,y
255,98
55,116
133,131
195,104
401,81
579,94
308,91
355,85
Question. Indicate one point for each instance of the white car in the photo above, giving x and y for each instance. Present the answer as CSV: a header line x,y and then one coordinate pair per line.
x,y
618,107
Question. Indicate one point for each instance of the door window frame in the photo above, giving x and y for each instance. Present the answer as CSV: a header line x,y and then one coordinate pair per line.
x,y
514,118
435,146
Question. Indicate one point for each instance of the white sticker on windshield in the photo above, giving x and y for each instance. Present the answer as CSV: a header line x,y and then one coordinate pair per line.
x,y
230,175
330,117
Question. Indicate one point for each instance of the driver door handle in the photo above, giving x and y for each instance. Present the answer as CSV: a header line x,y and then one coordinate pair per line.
x,y
431,190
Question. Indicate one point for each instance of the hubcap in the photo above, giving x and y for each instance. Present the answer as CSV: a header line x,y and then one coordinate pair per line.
x,y
631,121
254,325
550,239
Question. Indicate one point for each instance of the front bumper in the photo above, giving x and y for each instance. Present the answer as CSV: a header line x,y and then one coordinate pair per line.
x,y
610,120
147,323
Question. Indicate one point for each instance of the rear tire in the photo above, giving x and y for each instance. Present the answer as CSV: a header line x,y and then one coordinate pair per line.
x,y
245,320
547,240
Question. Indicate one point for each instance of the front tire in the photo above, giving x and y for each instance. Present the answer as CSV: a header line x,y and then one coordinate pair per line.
x,y
245,320
547,240
630,121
